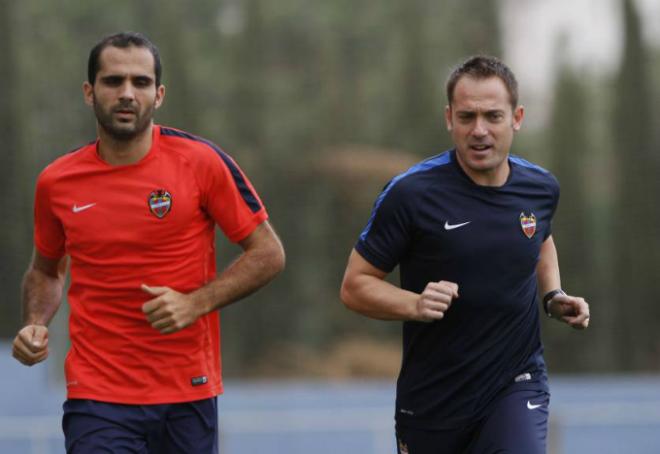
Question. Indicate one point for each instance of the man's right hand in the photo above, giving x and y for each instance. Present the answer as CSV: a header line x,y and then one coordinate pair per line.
x,y
435,300
31,345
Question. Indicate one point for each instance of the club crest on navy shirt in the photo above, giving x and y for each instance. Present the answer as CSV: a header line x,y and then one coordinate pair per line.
x,y
528,224
160,203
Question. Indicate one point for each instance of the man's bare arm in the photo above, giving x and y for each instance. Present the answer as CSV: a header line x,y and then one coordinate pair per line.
x,y
570,309
262,259
42,289
365,291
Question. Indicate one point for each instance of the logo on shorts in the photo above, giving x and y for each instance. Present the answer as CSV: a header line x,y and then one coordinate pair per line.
x,y
403,448
528,224
196,381
160,203
532,406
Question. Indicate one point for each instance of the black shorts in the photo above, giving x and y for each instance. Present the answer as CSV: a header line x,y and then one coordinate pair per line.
x,y
516,424
99,427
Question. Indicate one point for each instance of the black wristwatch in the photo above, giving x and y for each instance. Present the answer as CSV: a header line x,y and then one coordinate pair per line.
x,y
548,297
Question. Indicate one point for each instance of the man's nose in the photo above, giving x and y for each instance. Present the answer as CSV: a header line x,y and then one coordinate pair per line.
x,y
480,128
127,91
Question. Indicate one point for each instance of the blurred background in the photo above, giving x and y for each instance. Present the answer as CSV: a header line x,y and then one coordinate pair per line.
x,y
321,103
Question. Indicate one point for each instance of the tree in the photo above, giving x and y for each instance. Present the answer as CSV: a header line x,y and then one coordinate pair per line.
x,y
13,223
637,254
577,238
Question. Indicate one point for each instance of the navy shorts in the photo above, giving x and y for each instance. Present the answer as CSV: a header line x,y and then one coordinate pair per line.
x,y
516,424
99,427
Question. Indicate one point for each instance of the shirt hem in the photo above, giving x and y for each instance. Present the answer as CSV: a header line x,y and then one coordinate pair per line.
x,y
145,400
49,254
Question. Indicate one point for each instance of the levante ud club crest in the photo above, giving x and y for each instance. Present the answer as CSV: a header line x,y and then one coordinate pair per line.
x,y
528,224
160,203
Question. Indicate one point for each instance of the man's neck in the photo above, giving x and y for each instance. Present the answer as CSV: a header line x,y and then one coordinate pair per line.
x,y
124,152
493,177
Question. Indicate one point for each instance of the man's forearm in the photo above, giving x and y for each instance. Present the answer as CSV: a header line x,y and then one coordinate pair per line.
x,y
365,291
42,295
547,270
251,271
377,298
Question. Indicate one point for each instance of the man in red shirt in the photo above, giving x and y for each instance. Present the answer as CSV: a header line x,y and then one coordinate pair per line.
x,y
135,212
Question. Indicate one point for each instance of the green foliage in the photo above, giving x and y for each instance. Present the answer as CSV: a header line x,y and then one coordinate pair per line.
x,y
290,88
13,239
637,249
570,147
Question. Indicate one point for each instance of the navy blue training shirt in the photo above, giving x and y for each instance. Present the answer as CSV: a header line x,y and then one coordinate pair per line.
x,y
437,224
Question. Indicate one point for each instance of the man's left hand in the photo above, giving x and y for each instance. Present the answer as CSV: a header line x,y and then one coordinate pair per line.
x,y
169,311
570,309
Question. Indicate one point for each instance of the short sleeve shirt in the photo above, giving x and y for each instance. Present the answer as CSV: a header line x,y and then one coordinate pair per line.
x,y
436,224
151,222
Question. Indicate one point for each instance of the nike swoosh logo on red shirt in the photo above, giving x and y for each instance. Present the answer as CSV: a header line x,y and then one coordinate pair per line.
x,y
77,209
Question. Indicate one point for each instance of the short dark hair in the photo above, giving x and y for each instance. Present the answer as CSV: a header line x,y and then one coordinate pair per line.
x,y
483,67
122,40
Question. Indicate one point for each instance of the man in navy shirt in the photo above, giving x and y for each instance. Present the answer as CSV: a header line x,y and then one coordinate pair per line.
x,y
470,230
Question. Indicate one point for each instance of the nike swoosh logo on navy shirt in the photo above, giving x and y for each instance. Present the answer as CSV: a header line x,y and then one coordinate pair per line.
x,y
77,209
449,226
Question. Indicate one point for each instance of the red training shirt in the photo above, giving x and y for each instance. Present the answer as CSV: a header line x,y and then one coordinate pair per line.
x,y
151,222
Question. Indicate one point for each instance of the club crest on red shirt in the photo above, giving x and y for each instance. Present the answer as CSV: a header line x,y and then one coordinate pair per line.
x,y
160,203
528,224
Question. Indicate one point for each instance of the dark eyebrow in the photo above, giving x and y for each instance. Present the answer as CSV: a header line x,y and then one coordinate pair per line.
x,y
117,78
470,113
143,79
112,78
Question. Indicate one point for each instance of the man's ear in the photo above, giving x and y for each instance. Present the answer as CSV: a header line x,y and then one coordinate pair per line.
x,y
518,115
160,95
88,93
448,121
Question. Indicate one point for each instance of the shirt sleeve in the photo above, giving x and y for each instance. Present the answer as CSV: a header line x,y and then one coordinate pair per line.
x,y
386,238
49,238
229,197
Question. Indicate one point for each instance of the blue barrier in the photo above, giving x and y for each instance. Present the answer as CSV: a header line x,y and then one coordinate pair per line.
x,y
589,414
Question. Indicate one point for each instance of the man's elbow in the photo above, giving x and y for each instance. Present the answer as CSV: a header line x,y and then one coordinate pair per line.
x,y
347,295
277,258
280,260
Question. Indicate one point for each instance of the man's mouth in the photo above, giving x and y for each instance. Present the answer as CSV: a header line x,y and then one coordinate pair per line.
x,y
124,110
480,147
125,114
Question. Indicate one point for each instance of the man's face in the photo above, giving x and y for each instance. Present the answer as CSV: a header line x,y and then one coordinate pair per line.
x,y
481,122
124,95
